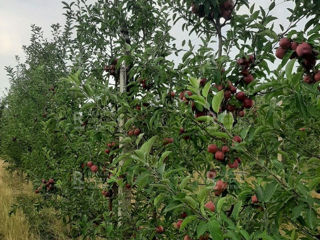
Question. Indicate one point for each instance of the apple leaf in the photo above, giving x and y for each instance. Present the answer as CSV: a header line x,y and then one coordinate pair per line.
x,y
146,147
220,204
194,82
187,220
201,229
236,210
269,190
245,234
228,121
216,101
139,138
164,155
184,182
289,68
159,199
214,229
206,89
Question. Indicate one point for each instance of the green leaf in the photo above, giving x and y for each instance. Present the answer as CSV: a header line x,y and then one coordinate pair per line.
x,y
191,202
245,234
207,119
214,133
88,105
236,210
158,199
203,193
228,121
184,182
311,218
270,189
173,206
206,89
87,89
201,228
220,203
146,147
215,229
165,155
272,5
187,220
139,138
216,101
289,68
194,82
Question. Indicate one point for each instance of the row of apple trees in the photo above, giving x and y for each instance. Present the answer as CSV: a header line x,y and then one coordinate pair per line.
x,y
216,138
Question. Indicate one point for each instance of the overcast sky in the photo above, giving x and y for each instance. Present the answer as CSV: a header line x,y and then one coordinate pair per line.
x,y
16,17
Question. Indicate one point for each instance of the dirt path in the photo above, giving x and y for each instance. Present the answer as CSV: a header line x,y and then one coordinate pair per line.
x,y
13,227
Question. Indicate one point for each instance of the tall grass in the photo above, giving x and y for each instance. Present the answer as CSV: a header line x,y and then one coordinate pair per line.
x,y
14,227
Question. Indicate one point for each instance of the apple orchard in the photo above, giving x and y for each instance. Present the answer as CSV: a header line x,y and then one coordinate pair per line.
x,y
128,134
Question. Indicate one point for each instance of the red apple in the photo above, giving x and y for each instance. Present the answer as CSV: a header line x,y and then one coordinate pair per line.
x,y
181,130
237,139
211,174
203,81
220,187
107,151
316,76
248,79
280,52
304,49
240,96
219,156
136,132
225,149
186,237
172,94
219,87
230,108
307,79
212,148
233,89
294,45
130,133
254,199
241,113
235,164
167,141
245,72
159,229
94,168
285,43
183,215
227,94
248,103
177,225
210,206
90,164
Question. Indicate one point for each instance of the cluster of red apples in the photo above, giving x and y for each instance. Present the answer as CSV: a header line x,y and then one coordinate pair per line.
x,y
46,185
230,96
221,155
93,168
111,146
245,63
306,55
234,101
134,131
226,9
